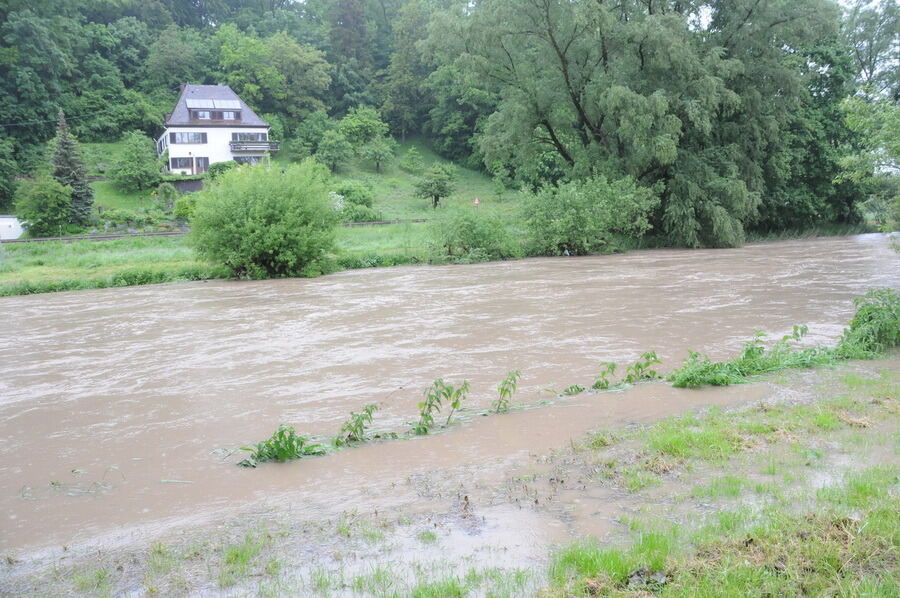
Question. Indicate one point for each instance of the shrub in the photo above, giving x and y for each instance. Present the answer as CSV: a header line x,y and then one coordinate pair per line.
x,y
356,192
412,161
874,328
44,206
262,221
467,235
219,168
136,167
185,206
358,213
582,218
167,193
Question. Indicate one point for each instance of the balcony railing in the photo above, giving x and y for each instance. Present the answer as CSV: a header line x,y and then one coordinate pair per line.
x,y
254,146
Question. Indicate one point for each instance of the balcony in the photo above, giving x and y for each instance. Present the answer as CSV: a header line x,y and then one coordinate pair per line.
x,y
253,146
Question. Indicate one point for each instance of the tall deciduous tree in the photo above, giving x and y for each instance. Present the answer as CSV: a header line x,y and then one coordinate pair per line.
x,y
135,168
693,102
873,31
68,169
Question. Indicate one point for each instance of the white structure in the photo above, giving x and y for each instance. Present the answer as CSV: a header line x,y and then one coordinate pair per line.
x,y
10,228
212,124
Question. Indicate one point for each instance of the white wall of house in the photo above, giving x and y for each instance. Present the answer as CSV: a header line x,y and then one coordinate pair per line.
x,y
217,147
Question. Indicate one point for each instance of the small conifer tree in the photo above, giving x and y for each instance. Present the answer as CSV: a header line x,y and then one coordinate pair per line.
x,y
68,170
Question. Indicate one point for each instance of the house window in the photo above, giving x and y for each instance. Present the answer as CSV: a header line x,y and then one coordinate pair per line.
x,y
179,163
187,137
202,165
249,136
247,159
215,115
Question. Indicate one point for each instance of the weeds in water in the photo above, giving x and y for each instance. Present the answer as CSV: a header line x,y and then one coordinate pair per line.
x,y
435,396
602,380
506,389
641,369
874,328
456,396
573,390
354,429
284,445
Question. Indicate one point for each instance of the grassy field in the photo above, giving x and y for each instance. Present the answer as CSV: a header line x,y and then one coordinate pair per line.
x,y
28,268
107,196
395,189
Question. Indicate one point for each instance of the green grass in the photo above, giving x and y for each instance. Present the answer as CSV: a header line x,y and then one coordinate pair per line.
x,y
98,157
27,268
107,196
395,189
450,587
844,546
237,559
728,486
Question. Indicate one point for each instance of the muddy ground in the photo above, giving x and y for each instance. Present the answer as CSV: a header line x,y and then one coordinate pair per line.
x,y
490,528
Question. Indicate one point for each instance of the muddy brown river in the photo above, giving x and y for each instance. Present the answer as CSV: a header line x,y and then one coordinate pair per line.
x,y
121,409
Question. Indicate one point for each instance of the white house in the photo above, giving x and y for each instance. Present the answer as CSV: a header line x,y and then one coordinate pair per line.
x,y
210,124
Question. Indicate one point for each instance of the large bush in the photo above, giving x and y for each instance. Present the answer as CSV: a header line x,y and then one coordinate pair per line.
x,y
44,206
583,218
356,193
136,167
262,221
467,235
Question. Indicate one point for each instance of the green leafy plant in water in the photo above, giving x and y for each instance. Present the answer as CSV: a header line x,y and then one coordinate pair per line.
x,y
641,369
506,389
573,390
456,396
602,380
284,445
435,396
354,429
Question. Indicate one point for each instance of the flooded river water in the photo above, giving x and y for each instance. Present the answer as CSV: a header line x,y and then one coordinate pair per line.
x,y
119,408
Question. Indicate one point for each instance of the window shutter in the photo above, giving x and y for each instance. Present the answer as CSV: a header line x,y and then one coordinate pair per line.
x,y
171,137
202,137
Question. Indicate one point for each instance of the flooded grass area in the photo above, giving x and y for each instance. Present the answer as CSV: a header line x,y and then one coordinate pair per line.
x,y
795,491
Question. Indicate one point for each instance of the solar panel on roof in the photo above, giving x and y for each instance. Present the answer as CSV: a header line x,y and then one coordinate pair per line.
x,y
197,103
227,104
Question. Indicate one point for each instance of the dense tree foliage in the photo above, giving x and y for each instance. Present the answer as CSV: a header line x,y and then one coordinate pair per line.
x,y
264,222
731,113
44,206
136,168
68,169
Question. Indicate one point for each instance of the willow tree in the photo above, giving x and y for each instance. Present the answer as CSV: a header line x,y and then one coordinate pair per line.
x,y
694,103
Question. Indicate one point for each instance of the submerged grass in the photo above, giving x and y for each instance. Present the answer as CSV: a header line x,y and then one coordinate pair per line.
x,y
874,328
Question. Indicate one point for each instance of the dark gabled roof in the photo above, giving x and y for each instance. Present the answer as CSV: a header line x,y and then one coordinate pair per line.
x,y
181,114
